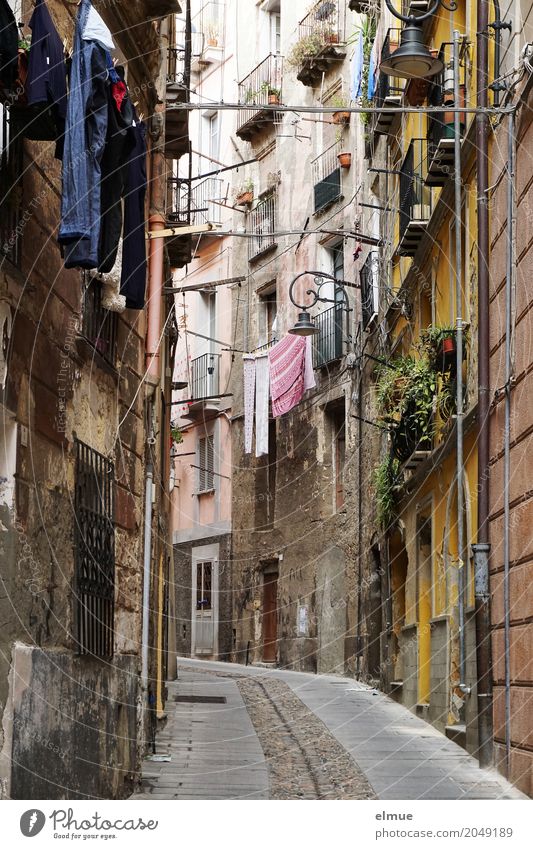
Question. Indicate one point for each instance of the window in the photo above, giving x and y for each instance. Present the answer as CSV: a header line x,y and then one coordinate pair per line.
x,y
275,33
95,552
204,586
337,417
99,326
268,318
214,136
206,463
10,188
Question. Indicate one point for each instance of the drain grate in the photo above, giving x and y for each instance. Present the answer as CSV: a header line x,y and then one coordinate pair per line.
x,y
202,700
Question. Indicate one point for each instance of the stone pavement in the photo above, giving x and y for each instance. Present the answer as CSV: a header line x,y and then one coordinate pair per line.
x,y
335,738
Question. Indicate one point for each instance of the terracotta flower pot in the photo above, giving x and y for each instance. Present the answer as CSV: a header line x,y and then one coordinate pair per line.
x,y
341,117
244,198
273,99
212,42
331,38
345,159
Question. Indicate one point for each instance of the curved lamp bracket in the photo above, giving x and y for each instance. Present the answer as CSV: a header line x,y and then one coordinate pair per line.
x,y
451,6
321,278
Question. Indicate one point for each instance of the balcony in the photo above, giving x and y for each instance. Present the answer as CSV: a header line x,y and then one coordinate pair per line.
x,y
327,177
328,342
389,90
11,171
179,199
261,224
176,119
441,125
369,282
321,41
204,386
98,337
415,198
262,91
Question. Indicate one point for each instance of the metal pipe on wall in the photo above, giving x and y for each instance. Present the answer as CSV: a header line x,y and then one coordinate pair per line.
x,y
458,278
481,549
147,576
507,431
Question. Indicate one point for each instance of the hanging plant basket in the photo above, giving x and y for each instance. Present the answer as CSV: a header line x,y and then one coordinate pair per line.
x,y
345,159
244,198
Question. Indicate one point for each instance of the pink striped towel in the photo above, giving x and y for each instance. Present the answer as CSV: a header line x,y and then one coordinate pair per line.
x,y
287,360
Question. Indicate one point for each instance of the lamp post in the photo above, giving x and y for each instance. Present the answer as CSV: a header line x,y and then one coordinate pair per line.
x,y
305,326
412,59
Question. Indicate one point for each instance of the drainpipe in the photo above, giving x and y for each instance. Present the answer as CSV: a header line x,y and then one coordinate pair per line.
x,y
507,431
147,575
359,514
459,369
482,549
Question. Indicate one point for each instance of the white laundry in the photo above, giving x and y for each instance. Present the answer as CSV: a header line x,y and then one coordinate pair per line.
x,y
249,398
262,394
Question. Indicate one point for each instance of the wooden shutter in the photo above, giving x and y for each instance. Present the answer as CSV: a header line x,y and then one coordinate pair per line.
x,y
206,462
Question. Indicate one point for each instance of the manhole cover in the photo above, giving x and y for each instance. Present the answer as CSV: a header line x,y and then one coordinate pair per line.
x,y
202,700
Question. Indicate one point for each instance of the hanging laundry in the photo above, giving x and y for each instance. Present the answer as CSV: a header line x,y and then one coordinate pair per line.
x,y
357,67
120,142
372,70
85,138
112,300
287,373
134,265
249,397
262,387
46,81
9,42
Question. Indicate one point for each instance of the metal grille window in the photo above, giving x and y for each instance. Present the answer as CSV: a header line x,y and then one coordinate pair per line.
x,y
99,326
327,177
262,225
369,280
95,552
328,342
10,188
206,463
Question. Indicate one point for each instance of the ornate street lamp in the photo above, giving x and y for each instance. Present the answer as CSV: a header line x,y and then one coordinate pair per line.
x,y
305,326
412,59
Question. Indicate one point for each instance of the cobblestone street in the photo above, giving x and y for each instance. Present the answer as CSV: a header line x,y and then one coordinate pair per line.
x,y
237,732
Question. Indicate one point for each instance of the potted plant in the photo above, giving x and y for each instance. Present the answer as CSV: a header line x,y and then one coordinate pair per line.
x,y
342,116
388,482
273,94
331,36
212,34
305,48
245,194
441,345
405,395
345,159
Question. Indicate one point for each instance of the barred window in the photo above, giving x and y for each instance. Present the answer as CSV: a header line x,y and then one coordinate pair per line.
x,y
10,189
95,552
206,463
99,326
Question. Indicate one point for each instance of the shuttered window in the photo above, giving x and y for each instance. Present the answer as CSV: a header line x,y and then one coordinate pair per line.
x,y
206,462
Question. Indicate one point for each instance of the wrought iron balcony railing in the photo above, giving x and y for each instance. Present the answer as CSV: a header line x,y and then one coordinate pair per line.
x,y
416,201
441,125
205,376
328,342
262,91
10,189
369,281
327,181
325,21
195,204
261,224
389,90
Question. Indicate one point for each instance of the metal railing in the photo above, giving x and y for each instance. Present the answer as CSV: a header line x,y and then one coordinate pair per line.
x,y
415,196
387,86
261,88
179,201
328,342
99,326
261,224
368,279
325,23
326,173
176,55
205,376
206,200
441,94
10,189
94,552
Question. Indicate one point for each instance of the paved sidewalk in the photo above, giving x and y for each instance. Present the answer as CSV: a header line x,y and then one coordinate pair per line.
x,y
216,753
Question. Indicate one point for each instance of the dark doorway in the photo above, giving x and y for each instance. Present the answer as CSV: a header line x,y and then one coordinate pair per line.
x,y
270,616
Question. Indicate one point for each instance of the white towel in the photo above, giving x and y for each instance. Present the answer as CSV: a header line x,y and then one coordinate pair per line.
x,y
249,398
262,393
309,374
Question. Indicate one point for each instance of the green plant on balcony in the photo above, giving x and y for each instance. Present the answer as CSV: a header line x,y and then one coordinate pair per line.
x,y
368,31
176,435
306,48
244,194
388,483
440,345
273,94
406,399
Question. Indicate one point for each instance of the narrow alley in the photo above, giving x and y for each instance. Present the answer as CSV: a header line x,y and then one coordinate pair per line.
x,y
236,732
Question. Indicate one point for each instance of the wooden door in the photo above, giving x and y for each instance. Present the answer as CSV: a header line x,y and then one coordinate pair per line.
x,y
204,630
270,617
